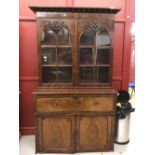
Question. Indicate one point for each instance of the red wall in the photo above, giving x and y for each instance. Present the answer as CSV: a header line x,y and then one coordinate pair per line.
x,y
28,49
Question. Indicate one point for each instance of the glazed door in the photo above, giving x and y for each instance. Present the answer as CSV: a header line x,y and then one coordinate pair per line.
x,y
55,134
94,133
57,41
94,53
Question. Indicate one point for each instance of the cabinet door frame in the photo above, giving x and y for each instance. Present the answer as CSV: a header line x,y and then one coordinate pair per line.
x,y
81,23
110,121
72,29
39,134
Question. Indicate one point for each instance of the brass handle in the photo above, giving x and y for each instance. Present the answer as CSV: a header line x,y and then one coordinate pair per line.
x,y
55,104
95,103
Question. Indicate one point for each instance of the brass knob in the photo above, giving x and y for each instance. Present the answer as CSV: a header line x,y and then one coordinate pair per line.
x,y
55,104
95,103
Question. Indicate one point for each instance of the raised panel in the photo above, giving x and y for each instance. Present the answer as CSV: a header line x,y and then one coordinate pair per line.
x,y
28,64
55,134
26,118
118,50
92,133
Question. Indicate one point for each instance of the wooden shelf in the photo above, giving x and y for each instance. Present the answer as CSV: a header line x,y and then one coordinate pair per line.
x,y
64,46
55,84
86,65
103,47
92,46
48,46
49,65
56,46
86,46
104,65
94,83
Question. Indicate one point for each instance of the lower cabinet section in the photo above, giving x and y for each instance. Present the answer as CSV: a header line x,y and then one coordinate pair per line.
x,y
74,120
69,134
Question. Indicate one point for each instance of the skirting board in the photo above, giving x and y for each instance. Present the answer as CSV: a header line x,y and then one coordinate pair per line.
x,y
27,130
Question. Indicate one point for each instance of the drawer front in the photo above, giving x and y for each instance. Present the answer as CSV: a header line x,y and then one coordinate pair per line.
x,y
55,104
97,103
75,104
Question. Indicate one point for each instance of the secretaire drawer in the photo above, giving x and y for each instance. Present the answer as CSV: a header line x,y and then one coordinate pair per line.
x,y
75,104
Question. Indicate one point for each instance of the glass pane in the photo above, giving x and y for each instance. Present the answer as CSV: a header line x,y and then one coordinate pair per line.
x,y
87,38
57,75
102,38
64,37
86,56
64,56
48,56
103,56
49,75
65,75
86,74
48,37
102,74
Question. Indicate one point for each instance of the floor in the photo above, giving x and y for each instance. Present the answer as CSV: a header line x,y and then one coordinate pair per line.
x,y
27,143
27,147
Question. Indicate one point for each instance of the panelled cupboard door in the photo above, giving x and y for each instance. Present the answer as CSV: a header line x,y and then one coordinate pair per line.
x,y
55,134
56,42
94,133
